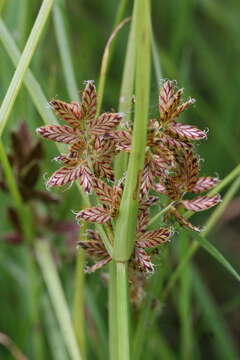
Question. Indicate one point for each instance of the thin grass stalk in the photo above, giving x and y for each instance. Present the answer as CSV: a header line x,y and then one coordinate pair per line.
x,y
14,350
112,311
55,339
64,49
126,93
24,62
122,318
185,297
105,63
109,50
58,300
78,314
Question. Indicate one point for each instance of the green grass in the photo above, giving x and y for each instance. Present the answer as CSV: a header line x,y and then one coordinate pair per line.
x,y
49,56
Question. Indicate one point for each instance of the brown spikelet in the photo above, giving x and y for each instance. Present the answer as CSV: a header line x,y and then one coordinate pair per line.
x,y
98,215
185,223
161,189
93,248
201,203
166,101
64,176
69,112
78,146
147,202
98,265
159,165
104,169
142,220
182,107
93,235
165,153
63,134
86,179
104,123
103,191
185,132
89,101
174,144
147,179
191,167
68,159
142,261
204,183
172,188
153,238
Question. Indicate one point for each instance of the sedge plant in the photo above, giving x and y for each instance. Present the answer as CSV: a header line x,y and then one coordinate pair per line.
x,y
137,177
168,173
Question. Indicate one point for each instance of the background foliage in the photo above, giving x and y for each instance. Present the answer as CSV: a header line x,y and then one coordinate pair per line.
x,y
197,42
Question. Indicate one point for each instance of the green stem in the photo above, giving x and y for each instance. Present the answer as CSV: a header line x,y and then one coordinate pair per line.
x,y
123,347
56,294
158,216
126,222
112,311
78,302
126,93
24,62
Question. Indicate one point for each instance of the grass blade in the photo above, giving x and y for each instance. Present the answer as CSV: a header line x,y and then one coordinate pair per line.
x,y
56,294
221,340
64,49
24,62
212,250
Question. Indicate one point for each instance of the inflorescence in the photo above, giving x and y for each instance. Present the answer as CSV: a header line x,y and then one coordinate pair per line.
x,y
171,170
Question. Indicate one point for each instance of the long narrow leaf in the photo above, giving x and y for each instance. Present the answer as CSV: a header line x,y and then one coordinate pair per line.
x,y
24,62
58,300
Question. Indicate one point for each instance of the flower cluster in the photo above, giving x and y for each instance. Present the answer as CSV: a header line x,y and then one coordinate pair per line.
x,y
171,170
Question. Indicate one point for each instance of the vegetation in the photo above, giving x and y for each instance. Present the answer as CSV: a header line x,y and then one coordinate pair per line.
x,y
165,287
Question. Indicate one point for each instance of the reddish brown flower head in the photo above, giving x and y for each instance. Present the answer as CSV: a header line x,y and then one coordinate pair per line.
x,y
89,150
185,179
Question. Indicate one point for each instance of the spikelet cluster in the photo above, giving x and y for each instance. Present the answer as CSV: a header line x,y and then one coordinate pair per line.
x,y
171,170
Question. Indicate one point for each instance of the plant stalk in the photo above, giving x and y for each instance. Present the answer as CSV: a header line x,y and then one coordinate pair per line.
x,y
123,349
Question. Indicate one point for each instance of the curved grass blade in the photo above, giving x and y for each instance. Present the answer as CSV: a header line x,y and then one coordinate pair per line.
x,y
24,62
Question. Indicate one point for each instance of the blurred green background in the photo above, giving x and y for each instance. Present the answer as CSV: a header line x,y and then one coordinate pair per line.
x,y
197,42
